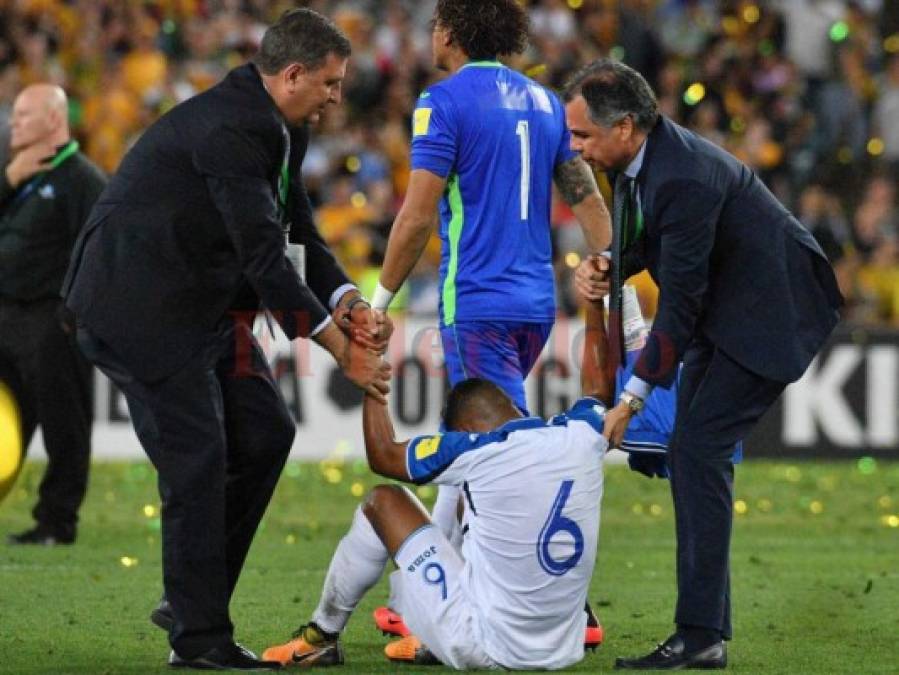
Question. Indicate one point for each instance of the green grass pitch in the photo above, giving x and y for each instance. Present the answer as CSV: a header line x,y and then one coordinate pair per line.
x,y
815,566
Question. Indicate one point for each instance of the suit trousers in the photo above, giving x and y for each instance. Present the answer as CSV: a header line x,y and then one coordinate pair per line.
x,y
56,388
218,432
718,404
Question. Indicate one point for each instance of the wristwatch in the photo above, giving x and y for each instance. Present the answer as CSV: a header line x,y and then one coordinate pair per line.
x,y
634,403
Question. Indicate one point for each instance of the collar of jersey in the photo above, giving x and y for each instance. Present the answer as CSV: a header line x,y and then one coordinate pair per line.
x,y
522,423
482,64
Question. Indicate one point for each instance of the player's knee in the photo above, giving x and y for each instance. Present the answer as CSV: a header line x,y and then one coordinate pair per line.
x,y
381,500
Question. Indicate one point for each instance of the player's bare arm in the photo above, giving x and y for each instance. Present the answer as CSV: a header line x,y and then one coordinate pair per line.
x,y
412,227
577,185
596,379
386,456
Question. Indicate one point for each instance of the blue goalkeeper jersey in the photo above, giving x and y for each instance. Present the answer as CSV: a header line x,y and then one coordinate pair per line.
x,y
496,136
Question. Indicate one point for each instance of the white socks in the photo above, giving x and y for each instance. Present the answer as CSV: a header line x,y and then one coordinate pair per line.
x,y
356,566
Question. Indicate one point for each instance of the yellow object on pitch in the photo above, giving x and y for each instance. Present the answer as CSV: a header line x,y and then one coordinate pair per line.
x,y
11,450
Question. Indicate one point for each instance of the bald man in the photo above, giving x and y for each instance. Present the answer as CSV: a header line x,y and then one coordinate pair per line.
x,y
46,193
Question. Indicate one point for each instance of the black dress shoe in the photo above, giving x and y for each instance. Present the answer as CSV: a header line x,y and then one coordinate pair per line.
x,y
162,616
672,655
229,657
42,535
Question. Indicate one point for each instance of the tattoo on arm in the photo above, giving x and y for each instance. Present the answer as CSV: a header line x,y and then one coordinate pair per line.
x,y
575,181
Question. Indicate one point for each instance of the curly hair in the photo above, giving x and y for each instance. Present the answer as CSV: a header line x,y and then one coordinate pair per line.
x,y
485,29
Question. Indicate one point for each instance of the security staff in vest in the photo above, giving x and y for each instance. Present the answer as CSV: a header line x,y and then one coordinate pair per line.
x,y
46,193
178,254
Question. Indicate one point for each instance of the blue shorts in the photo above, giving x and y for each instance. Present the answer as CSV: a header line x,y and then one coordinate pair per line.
x,y
500,351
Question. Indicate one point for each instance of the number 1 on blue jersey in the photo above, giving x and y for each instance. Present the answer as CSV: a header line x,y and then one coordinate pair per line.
x,y
524,136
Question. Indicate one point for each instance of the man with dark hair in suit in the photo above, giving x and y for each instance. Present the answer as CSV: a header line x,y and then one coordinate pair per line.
x,y
747,299
165,281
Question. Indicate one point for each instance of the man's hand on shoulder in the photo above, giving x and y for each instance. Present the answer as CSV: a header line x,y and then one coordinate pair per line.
x,y
27,163
616,422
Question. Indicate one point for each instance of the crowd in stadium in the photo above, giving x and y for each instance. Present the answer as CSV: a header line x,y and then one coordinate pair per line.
x,y
806,92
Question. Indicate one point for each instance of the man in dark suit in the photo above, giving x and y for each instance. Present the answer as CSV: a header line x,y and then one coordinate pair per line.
x,y
746,300
179,251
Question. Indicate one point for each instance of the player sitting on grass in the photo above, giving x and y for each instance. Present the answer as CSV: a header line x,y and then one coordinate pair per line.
x,y
514,596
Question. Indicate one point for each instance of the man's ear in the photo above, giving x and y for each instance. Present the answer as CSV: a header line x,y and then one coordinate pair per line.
x,y
627,128
292,75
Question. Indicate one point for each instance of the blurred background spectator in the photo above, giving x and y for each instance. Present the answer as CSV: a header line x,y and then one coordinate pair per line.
x,y
804,91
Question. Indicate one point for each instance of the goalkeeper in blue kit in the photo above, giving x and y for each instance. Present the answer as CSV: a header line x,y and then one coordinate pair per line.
x,y
487,146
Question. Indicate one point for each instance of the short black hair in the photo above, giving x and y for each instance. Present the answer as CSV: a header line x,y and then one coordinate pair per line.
x,y
485,29
466,395
612,91
300,36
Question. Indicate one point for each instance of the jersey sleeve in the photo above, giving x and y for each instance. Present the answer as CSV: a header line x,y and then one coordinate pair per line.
x,y
587,409
433,135
440,458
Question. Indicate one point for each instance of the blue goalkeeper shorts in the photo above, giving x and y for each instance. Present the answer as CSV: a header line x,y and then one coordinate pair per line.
x,y
500,351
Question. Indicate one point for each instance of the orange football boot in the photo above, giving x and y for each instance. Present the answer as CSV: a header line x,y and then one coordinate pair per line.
x,y
410,650
389,622
309,648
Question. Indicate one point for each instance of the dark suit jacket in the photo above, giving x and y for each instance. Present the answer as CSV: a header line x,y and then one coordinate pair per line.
x,y
730,261
188,230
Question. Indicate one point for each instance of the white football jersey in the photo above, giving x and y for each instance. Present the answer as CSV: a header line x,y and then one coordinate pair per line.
x,y
532,491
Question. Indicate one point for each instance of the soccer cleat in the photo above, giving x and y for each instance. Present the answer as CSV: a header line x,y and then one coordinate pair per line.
x,y
310,647
593,634
410,650
592,637
389,622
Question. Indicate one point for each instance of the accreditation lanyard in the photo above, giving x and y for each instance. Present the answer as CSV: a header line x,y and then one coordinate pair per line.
x,y
64,153
284,183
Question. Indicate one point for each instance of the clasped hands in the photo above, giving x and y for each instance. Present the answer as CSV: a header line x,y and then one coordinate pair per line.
x,y
368,334
592,280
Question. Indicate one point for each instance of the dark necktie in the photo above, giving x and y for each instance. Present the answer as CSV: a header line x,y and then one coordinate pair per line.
x,y
621,237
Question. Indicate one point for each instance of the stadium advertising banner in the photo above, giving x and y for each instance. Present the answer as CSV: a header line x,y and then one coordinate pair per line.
x,y
847,404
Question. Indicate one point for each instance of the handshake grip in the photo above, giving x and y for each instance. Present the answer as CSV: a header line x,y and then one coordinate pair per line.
x,y
592,279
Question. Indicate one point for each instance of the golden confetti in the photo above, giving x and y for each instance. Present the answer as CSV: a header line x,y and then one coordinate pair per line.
x,y
793,474
149,510
695,93
876,147
572,259
536,70
128,561
885,502
357,489
751,14
359,200
764,505
575,4
890,521
333,475
290,540
816,507
741,507
637,509
353,164
655,510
